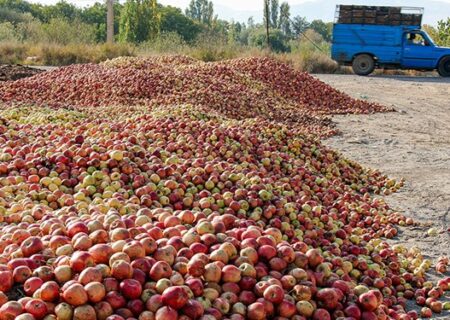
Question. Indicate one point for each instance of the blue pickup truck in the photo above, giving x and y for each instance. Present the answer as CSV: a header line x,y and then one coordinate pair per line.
x,y
385,37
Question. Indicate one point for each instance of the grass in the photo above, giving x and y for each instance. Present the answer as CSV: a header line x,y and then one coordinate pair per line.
x,y
59,55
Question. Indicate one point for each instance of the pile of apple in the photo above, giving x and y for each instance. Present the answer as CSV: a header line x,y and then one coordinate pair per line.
x,y
237,89
302,88
183,213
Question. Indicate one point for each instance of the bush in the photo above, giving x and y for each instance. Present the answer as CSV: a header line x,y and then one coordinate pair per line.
x,y
57,55
8,32
313,58
277,40
12,52
62,31
169,42
31,31
75,53
13,16
211,47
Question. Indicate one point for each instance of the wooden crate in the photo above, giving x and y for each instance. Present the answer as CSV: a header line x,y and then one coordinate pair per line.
x,y
379,15
345,8
395,10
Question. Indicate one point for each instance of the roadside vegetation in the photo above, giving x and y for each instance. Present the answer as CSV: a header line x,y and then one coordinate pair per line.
x,y
63,34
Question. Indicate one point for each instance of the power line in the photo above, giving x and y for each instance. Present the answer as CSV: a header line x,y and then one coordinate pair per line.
x,y
303,34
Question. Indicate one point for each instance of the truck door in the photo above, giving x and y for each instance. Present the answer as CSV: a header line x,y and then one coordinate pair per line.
x,y
417,51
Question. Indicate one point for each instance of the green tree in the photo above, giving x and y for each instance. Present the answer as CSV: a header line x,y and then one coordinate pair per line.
x,y
32,31
299,25
21,7
129,22
251,23
277,40
432,32
220,28
61,10
14,17
274,10
173,20
322,28
443,30
139,21
201,11
234,32
8,32
284,23
16,5
62,31
95,15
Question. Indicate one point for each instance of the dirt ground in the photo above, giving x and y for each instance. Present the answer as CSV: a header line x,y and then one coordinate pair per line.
x,y
15,72
413,143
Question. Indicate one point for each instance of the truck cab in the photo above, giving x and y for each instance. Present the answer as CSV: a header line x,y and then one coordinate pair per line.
x,y
370,37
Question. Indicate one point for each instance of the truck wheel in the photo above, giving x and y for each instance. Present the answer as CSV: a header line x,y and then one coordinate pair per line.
x,y
363,65
444,67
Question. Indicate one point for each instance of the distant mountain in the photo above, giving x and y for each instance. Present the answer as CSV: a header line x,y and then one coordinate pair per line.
x,y
325,9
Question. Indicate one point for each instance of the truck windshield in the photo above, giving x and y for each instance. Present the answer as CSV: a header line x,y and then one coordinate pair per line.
x,y
428,38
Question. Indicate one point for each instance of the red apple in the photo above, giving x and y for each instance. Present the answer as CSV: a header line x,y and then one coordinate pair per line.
x,y
193,309
31,246
321,314
75,295
10,310
327,298
159,270
80,260
37,308
256,311
274,294
6,280
166,313
31,285
175,297
231,273
286,309
130,289
353,311
368,301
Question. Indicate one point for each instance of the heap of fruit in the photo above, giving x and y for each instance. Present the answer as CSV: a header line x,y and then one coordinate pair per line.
x,y
238,89
181,212
302,88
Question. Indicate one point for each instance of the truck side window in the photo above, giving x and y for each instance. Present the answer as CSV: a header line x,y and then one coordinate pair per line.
x,y
416,39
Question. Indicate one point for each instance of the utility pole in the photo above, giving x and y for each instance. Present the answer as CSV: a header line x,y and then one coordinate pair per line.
x,y
267,13
110,21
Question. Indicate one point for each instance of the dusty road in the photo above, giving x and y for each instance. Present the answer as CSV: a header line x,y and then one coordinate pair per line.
x,y
413,143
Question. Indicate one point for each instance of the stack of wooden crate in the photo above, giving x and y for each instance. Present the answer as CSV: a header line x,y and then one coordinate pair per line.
x,y
352,14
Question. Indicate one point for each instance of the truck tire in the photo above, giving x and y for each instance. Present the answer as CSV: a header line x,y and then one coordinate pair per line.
x,y
363,64
444,67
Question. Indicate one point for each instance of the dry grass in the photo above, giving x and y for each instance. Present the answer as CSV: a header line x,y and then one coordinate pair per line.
x,y
58,55
307,59
13,52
